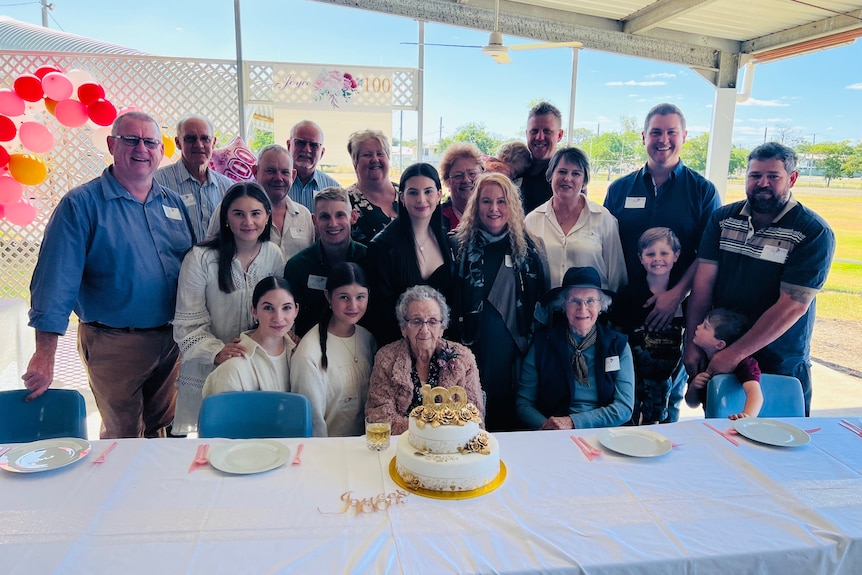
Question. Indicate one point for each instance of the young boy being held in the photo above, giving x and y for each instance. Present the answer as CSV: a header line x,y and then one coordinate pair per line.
x,y
719,329
656,353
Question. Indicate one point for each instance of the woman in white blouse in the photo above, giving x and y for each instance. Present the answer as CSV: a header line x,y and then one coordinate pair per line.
x,y
265,364
332,364
577,231
214,293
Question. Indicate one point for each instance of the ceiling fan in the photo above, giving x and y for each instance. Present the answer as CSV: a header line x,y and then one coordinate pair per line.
x,y
495,48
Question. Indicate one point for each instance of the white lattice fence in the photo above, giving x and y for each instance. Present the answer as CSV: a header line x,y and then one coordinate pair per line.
x,y
167,88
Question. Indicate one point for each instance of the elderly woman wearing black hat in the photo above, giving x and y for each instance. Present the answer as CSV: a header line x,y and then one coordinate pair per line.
x,y
577,373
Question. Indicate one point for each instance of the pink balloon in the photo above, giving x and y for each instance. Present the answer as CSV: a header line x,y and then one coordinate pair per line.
x,y
11,103
71,113
234,161
36,137
10,190
57,85
20,213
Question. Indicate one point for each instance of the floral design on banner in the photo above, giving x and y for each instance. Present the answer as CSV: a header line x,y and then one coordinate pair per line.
x,y
336,87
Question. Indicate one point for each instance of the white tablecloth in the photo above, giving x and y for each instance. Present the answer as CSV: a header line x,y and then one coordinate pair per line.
x,y
707,507
18,345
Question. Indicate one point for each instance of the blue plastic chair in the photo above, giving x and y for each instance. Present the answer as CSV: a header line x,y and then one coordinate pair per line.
x,y
255,414
57,413
782,396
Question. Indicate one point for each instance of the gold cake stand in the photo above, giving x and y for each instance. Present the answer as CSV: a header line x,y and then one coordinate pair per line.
x,y
497,482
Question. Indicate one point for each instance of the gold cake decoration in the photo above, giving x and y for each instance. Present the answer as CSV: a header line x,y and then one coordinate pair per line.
x,y
444,406
478,444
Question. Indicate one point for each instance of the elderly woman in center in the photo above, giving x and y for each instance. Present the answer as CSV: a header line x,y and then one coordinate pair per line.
x,y
460,167
577,374
420,357
499,279
577,231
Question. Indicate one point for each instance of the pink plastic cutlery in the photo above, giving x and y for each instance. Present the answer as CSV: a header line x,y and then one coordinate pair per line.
x,y
101,458
297,460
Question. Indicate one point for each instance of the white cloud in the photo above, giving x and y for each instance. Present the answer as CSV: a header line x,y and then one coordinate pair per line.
x,y
662,75
635,83
770,120
764,103
856,86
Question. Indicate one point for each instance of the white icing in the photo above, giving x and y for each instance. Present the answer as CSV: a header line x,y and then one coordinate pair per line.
x,y
446,471
441,439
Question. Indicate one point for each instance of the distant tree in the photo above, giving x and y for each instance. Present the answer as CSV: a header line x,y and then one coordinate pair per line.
x,y
695,152
581,135
629,123
260,138
475,133
738,160
787,135
831,158
853,165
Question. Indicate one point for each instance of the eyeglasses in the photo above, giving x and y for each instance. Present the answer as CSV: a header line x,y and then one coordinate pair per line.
x,y
460,176
132,141
314,146
589,302
417,323
205,139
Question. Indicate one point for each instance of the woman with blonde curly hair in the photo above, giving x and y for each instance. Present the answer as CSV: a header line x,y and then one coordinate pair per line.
x,y
373,196
499,279
460,167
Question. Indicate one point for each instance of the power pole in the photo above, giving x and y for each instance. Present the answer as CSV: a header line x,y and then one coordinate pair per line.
x,y
45,8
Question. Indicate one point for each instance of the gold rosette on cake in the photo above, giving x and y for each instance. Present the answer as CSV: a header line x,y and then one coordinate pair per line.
x,y
444,406
478,444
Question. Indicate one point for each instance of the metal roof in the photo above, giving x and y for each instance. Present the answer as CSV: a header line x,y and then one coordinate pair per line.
x,y
16,35
713,37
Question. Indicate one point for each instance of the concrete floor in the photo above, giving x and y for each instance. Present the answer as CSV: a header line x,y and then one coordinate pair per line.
x,y
835,394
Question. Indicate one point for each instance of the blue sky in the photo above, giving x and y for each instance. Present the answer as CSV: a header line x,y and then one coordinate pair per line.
x,y
819,95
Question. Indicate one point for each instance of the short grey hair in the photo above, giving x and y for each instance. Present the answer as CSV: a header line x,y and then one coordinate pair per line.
x,y
134,115
182,123
560,301
420,293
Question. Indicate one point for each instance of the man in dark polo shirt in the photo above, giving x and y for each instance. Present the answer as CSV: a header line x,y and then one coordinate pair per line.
x,y
544,132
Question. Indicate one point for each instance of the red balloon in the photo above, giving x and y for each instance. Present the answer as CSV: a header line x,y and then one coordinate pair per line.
x,y
41,71
90,91
7,129
102,112
29,87
4,157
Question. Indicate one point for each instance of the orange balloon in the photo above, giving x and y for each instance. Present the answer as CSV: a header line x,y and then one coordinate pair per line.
x,y
28,169
170,146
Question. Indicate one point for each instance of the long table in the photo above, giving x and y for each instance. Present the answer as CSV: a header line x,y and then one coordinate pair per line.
x,y
706,507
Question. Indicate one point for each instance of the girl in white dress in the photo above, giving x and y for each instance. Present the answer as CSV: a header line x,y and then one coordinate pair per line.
x,y
332,364
214,293
265,364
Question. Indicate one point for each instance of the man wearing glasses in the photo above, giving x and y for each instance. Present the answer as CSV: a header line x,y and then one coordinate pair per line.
x,y
112,252
200,187
307,149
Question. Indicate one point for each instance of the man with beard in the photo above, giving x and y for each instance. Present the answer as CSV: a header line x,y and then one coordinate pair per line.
x,y
307,149
767,257
544,132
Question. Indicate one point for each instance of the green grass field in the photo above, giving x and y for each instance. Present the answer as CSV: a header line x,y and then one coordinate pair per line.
x,y
842,208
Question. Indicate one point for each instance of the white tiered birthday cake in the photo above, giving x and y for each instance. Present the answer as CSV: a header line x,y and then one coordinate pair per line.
x,y
444,449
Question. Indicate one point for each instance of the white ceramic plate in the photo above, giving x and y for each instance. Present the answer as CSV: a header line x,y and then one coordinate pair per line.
x,y
249,456
45,454
635,442
771,432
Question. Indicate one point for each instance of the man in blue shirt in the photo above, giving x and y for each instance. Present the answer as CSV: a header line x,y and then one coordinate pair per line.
x,y
200,187
112,253
664,193
766,256
307,149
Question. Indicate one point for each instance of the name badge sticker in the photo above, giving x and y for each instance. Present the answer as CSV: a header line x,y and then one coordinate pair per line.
x,y
635,203
612,363
189,200
173,213
316,282
774,254
509,261
296,233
